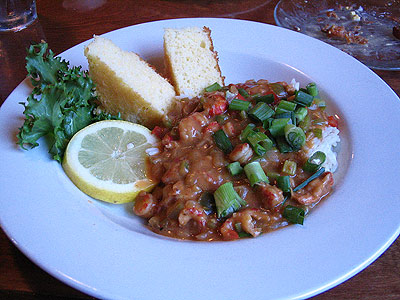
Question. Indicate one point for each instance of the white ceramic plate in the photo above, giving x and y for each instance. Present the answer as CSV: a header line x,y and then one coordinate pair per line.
x,y
105,251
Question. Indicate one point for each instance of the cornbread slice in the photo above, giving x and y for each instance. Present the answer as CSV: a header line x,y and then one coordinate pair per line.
x,y
190,59
127,84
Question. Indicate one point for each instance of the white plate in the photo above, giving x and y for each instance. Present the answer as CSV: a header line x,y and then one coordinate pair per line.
x,y
105,251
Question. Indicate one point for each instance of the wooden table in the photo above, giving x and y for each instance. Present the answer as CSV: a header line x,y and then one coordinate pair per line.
x,y
66,23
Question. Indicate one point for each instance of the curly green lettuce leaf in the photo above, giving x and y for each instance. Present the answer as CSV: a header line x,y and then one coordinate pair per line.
x,y
42,66
62,102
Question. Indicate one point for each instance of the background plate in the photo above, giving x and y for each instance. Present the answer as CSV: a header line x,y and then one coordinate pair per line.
x,y
105,251
372,20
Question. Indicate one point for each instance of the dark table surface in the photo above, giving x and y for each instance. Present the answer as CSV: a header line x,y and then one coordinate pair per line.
x,y
65,23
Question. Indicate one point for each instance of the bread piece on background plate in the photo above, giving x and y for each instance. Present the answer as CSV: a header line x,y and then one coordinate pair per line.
x,y
190,59
127,84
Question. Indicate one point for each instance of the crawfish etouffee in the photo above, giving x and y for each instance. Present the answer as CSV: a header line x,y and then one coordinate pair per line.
x,y
240,160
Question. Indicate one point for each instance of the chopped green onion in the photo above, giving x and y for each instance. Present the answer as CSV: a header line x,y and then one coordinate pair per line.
x,y
259,150
285,106
214,87
295,136
261,111
243,92
259,142
277,127
300,114
286,197
238,227
222,141
255,173
303,98
272,175
249,129
238,104
287,114
184,168
212,223
244,234
289,167
319,121
255,137
312,89
283,145
317,133
306,123
308,180
235,168
240,231
314,162
267,144
283,182
278,89
243,115
207,201
267,123
293,117
221,119
227,200
319,102
266,98
293,214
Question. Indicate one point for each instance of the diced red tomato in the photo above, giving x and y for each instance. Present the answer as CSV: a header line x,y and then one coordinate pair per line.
x,y
240,97
332,121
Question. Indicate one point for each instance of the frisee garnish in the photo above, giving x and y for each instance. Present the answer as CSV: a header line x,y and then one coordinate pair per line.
x,y
62,101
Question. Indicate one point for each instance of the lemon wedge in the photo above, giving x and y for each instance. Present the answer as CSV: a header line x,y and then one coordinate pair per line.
x,y
107,160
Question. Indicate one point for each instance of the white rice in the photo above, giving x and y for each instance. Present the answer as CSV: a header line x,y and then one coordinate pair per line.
x,y
330,139
295,84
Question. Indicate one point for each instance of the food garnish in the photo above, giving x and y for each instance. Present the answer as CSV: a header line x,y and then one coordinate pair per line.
x,y
61,103
227,200
107,160
294,214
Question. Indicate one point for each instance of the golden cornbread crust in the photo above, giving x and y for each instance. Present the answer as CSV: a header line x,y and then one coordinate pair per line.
x,y
215,53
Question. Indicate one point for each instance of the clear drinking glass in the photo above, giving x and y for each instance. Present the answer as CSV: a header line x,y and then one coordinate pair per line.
x,y
16,14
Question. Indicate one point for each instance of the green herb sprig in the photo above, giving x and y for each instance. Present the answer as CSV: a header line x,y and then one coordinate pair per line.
x,y
62,102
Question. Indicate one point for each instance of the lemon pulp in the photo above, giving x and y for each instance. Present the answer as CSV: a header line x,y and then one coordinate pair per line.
x,y
107,160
